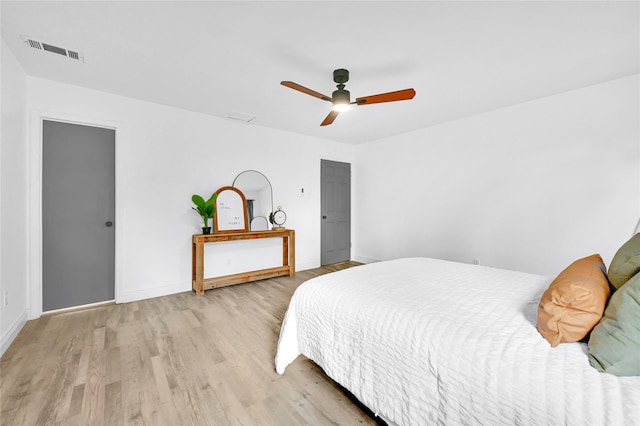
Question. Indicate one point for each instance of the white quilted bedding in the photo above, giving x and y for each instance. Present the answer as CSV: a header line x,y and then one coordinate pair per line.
x,y
425,342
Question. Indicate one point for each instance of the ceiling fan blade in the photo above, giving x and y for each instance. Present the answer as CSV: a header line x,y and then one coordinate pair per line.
x,y
329,119
296,86
400,95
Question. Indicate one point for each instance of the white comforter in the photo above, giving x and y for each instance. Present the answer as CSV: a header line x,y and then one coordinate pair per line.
x,y
423,341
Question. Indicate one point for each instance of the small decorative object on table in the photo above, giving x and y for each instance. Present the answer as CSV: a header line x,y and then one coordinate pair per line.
x,y
205,209
278,218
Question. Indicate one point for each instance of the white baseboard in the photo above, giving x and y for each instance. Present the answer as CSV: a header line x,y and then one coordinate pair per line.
x,y
150,293
363,259
12,333
307,265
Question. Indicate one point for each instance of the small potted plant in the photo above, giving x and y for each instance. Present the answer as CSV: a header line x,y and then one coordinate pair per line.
x,y
205,209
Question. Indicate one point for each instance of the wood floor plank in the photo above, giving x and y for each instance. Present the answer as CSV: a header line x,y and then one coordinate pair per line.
x,y
94,396
75,404
173,360
113,413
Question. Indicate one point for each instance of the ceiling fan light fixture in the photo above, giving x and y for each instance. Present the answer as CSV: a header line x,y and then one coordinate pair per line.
x,y
341,107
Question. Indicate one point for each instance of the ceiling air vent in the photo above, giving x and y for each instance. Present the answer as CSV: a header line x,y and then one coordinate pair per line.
x,y
241,116
53,49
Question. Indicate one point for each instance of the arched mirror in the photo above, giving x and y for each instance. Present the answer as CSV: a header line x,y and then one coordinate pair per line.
x,y
257,190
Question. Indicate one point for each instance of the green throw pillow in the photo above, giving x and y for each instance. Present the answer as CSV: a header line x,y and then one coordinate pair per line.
x,y
625,263
614,345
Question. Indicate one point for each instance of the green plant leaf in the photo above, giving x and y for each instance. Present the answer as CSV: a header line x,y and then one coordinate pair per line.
x,y
198,201
205,209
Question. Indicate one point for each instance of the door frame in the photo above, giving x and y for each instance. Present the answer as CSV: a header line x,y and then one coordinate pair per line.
x,y
322,223
34,203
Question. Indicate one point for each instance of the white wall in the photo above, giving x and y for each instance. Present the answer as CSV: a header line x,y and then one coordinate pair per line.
x,y
530,187
163,156
13,199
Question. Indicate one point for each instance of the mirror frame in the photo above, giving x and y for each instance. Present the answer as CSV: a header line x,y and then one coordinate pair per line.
x,y
223,228
270,207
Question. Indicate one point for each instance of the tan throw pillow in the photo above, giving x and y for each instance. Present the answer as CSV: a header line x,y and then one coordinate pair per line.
x,y
574,302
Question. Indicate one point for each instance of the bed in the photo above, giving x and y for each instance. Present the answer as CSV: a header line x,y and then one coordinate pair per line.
x,y
423,341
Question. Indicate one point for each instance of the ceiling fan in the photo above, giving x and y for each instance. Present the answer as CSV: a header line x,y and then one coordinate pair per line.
x,y
341,98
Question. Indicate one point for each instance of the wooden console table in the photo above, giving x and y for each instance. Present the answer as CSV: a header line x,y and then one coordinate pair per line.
x,y
200,284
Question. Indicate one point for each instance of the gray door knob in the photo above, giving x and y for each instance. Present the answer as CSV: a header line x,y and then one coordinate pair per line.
x,y
109,224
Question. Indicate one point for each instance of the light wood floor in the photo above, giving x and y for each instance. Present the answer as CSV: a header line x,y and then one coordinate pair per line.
x,y
174,360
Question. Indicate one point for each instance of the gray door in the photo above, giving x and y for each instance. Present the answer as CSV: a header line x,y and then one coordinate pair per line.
x,y
78,209
335,230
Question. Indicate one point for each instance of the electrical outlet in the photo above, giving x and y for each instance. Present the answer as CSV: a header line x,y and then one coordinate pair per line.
x,y
476,261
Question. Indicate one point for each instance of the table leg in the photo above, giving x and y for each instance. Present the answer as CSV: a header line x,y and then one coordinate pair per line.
x,y
292,254
198,268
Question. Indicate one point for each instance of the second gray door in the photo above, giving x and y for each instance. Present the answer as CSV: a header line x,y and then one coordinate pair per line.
x,y
335,229
78,209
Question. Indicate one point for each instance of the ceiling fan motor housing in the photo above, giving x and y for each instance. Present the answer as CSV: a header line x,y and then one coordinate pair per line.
x,y
341,96
341,76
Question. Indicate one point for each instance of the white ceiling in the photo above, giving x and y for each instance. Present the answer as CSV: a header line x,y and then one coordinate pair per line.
x,y
218,58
